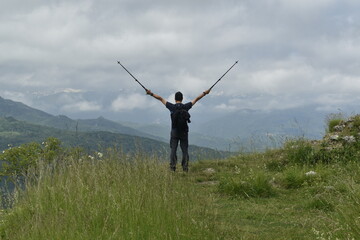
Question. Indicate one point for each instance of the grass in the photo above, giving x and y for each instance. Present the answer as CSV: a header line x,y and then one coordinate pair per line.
x,y
267,195
109,199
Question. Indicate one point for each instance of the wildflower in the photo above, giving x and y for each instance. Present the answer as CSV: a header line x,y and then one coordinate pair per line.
x,y
209,171
310,173
91,157
237,170
100,155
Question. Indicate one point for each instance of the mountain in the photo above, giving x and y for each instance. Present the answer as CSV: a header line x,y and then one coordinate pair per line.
x,y
159,132
20,111
250,124
237,131
14,132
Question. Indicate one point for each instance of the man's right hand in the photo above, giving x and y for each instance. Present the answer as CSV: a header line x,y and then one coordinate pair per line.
x,y
148,92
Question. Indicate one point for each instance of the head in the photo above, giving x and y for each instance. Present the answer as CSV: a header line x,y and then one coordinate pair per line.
x,y
178,96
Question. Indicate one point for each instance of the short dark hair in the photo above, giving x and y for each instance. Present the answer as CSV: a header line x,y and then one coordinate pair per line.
x,y
178,96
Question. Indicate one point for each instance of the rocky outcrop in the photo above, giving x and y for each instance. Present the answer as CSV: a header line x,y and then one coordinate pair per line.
x,y
346,133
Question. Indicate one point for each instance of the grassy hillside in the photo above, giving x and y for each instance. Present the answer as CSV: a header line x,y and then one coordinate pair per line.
x,y
304,190
246,197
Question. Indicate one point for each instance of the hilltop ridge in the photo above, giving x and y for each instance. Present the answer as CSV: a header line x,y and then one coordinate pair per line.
x,y
23,112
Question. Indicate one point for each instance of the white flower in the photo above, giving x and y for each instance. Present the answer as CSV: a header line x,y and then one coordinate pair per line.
x,y
100,155
91,157
310,173
349,139
209,171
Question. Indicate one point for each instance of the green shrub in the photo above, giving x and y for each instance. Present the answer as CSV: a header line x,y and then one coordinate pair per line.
x,y
296,177
293,178
276,165
332,123
356,123
319,202
300,151
18,161
348,153
332,120
255,185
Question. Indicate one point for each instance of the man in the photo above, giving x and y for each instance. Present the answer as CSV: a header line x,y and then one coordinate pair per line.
x,y
176,133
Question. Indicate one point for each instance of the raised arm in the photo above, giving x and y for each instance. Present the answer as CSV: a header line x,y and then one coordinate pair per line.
x,y
200,96
148,92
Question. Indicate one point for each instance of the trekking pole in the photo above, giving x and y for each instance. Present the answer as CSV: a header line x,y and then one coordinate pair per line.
x,y
223,75
133,77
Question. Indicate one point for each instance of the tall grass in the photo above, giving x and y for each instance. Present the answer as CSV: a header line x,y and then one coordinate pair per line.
x,y
109,199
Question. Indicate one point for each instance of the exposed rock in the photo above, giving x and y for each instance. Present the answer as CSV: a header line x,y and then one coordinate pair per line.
x,y
349,139
334,137
339,128
345,133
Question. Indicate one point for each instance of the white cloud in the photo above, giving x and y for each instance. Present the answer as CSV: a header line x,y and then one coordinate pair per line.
x,y
83,106
289,52
226,108
71,90
131,102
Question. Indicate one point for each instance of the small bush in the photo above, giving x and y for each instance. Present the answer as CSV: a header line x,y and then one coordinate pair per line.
x,y
300,151
19,161
276,165
319,202
256,185
332,120
346,153
356,123
293,178
296,178
332,123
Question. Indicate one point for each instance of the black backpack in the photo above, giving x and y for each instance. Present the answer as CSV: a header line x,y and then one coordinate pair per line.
x,y
180,119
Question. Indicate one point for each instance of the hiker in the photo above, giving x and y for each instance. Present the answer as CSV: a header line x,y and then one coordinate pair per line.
x,y
179,128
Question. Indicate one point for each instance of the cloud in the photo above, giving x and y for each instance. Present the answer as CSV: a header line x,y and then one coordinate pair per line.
x,y
295,52
83,106
131,102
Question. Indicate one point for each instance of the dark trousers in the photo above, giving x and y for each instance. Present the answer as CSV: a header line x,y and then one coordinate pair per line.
x,y
184,144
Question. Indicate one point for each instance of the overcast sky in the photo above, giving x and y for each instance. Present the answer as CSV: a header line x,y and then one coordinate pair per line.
x,y
291,52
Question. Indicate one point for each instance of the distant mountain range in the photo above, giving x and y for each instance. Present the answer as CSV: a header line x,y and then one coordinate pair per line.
x,y
246,130
21,124
23,112
236,131
302,121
